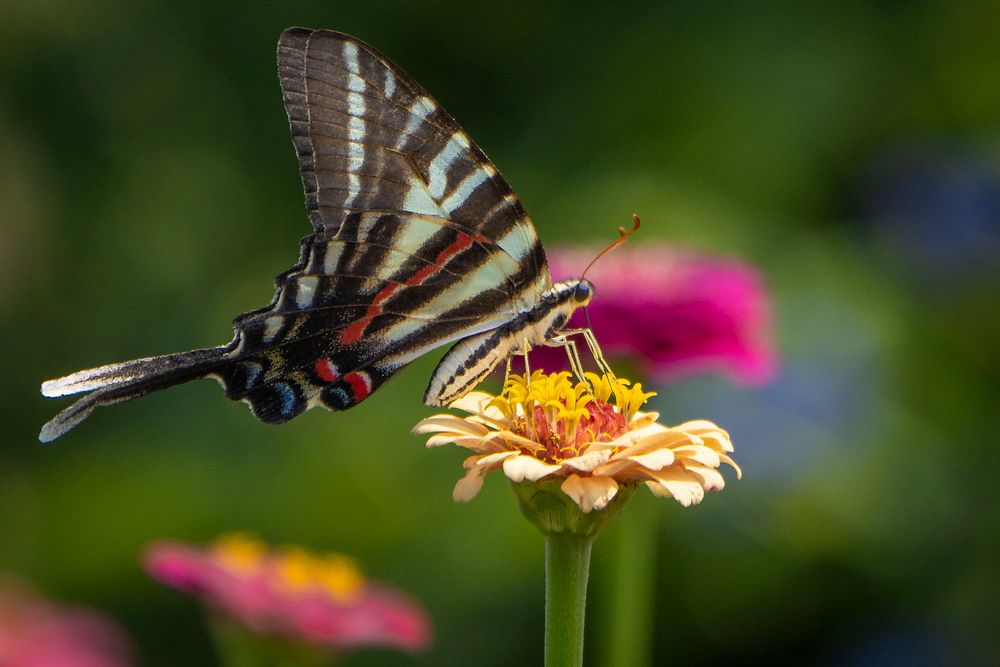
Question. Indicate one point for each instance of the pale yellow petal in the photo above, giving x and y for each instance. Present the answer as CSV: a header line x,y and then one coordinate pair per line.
x,y
699,453
658,489
620,469
474,443
441,439
711,479
471,461
654,460
645,417
726,459
590,493
654,440
513,440
519,468
702,427
467,487
635,436
717,440
683,486
495,457
448,424
588,461
474,402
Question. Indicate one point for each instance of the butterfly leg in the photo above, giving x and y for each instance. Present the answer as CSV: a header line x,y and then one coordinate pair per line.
x,y
572,354
595,349
525,348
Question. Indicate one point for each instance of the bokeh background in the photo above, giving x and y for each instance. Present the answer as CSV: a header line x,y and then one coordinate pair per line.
x,y
850,150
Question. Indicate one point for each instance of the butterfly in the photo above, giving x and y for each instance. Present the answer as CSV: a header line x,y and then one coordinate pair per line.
x,y
417,241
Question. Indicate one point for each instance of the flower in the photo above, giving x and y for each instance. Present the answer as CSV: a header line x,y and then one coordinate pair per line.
x,y
673,312
36,632
292,593
548,428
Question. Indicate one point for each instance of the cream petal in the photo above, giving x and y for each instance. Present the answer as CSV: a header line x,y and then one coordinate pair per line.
x,y
522,467
658,489
726,459
702,427
477,403
654,460
467,487
654,441
718,441
495,458
683,486
512,439
620,469
448,424
589,461
441,439
711,479
474,443
590,493
641,417
474,402
700,454
630,438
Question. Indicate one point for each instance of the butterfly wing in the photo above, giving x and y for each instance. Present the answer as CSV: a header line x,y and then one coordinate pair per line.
x,y
418,240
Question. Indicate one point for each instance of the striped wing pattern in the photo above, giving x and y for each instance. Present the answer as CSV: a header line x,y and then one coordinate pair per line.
x,y
417,239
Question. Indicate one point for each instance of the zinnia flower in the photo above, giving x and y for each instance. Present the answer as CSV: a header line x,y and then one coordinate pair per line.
x,y
549,428
291,593
37,633
672,312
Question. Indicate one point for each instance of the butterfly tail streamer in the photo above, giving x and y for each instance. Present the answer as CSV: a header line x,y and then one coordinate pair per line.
x,y
116,383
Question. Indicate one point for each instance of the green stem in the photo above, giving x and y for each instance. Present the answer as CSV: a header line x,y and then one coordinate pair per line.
x,y
567,566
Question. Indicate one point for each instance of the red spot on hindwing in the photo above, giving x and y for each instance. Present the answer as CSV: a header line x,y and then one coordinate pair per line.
x,y
326,370
361,384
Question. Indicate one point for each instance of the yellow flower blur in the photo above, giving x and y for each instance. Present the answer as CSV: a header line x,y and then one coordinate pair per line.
x,y
294,568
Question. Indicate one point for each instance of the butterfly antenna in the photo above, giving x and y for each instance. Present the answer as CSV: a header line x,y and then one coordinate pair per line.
x,y
623,235
588,333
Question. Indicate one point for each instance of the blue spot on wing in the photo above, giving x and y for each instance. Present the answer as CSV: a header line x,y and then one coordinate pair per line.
x,y
286,394
253,370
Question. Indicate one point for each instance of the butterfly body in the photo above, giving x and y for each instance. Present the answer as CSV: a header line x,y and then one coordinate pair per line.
x,y
417,242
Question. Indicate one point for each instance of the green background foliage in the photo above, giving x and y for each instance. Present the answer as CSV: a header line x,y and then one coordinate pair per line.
x,y
851,150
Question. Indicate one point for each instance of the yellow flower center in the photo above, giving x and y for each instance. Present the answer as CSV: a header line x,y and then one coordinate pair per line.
x,y
564,418
239,552
294,569
337,575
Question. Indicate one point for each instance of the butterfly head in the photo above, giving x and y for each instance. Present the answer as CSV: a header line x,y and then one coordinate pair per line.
x,y
568,295
583,292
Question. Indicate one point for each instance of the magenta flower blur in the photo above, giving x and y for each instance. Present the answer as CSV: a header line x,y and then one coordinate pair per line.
x,y
292,593
672,312
37,633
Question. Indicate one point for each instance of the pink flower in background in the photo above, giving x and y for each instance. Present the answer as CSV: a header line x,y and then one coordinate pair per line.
x,y
38,633
289,592
673,312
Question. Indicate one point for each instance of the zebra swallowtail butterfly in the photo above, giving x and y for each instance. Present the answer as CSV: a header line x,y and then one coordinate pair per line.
x,y
417,241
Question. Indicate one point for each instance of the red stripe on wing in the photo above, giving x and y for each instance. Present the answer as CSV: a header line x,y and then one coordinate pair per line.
x,y
356,330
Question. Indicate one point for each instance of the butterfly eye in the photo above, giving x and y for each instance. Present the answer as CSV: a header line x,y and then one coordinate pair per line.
x,y
582,292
